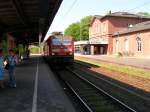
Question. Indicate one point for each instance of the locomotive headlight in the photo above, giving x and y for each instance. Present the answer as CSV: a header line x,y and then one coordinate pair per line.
x,y
68,50
53,54
70,53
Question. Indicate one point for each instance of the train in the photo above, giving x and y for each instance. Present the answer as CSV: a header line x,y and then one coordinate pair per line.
x,y
59,50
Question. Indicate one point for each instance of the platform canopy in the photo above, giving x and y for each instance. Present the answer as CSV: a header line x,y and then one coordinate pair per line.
x,y
26,19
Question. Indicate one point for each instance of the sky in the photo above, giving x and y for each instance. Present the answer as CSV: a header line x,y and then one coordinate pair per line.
x,y
72,11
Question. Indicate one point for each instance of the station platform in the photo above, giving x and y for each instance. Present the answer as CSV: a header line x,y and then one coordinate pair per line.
x,y
138,62
37,90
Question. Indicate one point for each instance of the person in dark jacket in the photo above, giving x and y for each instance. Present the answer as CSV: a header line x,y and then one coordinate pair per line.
x,y
12,60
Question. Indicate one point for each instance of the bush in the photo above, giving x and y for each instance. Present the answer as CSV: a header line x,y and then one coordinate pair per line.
x,y
34,50
119,54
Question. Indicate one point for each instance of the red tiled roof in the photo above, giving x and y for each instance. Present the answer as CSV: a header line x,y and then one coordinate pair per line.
x,y
138,27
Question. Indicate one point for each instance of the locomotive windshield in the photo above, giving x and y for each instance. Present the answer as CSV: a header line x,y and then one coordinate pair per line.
x,y
58,41
66,42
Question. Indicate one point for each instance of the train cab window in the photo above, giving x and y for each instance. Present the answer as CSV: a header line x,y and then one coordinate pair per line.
x,y
66,42
56,41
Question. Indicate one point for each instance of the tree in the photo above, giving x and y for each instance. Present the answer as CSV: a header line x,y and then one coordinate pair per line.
x,y
5,44
85,27
5,47
80,30
21,49
144,14
74,30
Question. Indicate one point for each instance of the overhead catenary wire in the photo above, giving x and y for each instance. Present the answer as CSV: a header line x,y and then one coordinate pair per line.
x,y
63,17
139,6
74,3
67,12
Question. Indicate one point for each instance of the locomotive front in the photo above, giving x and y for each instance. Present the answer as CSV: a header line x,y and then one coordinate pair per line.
x,y
60,50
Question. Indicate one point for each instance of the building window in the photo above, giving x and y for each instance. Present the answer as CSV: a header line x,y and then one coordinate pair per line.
x,y
104,27
96,28
139,44
99,28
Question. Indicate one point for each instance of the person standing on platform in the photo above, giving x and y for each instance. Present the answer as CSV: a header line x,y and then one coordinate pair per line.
x,y
12,60
1,69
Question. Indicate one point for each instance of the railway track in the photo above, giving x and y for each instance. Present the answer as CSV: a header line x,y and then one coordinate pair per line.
x,y
137,99
92,97
144,97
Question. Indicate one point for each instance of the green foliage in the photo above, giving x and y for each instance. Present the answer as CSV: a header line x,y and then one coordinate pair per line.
x,y
132,71
144,14
79,29
85,27
5,47
21,49
34,50
74,30
4,37
5,44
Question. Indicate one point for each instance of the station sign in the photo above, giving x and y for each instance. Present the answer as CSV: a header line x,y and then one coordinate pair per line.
x,y
98,41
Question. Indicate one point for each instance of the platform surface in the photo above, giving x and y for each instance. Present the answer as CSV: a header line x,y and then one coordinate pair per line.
x,y
37,90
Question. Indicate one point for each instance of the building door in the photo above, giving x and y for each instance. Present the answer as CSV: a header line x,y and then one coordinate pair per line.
x,y
101,50
95,49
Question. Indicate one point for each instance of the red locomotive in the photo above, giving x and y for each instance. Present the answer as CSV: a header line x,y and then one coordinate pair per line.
x,y
59,50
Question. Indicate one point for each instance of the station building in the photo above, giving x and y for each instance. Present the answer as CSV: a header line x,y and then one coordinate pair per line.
x,y
102,29
82,47
133,41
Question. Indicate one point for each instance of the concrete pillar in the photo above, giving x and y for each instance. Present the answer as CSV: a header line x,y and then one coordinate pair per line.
x,y
92,49
81,49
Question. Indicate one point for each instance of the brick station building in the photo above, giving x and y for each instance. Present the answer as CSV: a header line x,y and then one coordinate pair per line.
x,y
133,41
103,27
